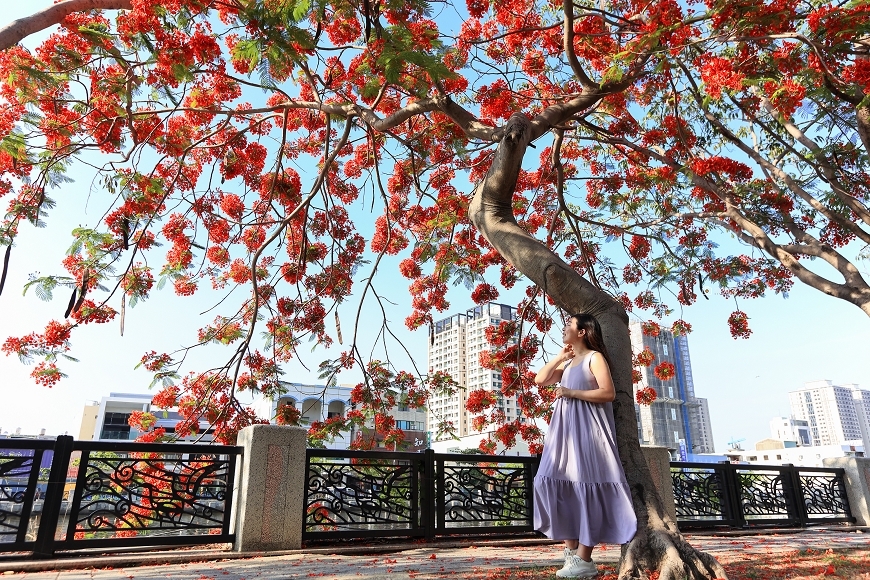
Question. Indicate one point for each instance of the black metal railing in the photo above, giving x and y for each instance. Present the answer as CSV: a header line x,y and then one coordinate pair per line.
x,y
711,494
376,493
22,483
98,494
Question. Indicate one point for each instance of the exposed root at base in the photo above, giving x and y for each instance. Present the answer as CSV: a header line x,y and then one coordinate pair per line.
x,y
670,554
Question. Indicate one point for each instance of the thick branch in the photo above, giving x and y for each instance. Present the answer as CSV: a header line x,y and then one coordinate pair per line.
x,y
829,171
568,47
785,177
17,30
862,114
467,121
491,212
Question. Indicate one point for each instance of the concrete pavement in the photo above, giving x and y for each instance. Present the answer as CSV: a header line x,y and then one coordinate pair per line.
x,y
420,562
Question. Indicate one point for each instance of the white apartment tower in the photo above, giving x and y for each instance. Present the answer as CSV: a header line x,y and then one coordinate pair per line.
x,y
677,419
701,427
455,346
835,414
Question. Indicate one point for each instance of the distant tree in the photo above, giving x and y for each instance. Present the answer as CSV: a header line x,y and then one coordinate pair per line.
x,y
747,117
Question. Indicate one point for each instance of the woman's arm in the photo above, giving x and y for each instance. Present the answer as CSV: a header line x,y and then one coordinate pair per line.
x,y
552,371
605,393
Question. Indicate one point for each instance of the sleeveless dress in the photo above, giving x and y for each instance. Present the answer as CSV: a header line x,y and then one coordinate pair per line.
x,y
580,488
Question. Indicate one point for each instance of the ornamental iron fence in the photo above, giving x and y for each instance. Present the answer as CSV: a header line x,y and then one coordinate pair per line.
x,y
97,494
739,495
363,494
68,495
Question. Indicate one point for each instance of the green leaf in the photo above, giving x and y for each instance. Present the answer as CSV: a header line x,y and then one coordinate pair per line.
x,y
301,9
248,50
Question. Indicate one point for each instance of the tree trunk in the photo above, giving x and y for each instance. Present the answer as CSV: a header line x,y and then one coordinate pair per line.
x,y
658,544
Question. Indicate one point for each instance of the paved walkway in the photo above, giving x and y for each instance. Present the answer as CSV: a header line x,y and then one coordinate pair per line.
x,y
427,562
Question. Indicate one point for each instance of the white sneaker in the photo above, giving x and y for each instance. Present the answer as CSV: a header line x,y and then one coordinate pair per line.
x,y
577,567
568,553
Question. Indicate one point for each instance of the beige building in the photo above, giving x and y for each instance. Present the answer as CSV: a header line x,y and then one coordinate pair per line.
x,y
90,414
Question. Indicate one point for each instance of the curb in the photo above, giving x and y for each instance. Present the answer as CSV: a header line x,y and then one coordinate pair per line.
x,y
78,562
158,558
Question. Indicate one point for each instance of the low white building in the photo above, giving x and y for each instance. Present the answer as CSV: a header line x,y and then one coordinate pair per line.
x,y
800,456
472,441
315,403
109,420
790,429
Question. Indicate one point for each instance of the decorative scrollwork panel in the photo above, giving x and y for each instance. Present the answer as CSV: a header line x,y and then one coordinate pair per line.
x,y
150,494
699,494
485,495
16,478
763,495
823,495
366,494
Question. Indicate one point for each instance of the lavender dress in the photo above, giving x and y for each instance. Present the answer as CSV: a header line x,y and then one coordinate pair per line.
x,y
580,488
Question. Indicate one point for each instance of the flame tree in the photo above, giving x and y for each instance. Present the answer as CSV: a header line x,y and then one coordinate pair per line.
x,y
657,127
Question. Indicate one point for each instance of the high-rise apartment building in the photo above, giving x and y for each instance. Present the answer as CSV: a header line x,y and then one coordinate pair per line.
x,y
677,419
455,346
835,413
700,427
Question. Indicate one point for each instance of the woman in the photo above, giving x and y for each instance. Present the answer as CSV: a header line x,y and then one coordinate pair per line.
x,y
581,495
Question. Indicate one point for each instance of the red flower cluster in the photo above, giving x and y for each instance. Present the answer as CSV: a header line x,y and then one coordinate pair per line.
x,y
479,400
681,327
644,358
718,74
738,323
646,396
484,293
650,328
665,371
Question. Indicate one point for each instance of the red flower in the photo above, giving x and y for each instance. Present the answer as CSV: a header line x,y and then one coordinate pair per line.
x,y
409,268
646,396
480,400
717,74
644,358
484,293
651,328
738,322
681,327
639,248
665,371
233,206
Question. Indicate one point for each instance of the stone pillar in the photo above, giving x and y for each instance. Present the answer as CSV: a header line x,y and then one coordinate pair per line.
x,y
658,459
857,479
271,488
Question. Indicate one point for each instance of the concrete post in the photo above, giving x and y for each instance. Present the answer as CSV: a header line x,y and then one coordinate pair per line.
x,y
271,488
857,479
658,459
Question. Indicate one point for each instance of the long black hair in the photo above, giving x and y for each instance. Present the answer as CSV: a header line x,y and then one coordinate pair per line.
x,y
594,338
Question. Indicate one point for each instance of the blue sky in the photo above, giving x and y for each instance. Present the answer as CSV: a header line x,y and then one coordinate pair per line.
x,y
806,337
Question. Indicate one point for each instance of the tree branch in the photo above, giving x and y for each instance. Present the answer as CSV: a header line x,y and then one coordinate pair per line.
x,y
568,47
17,30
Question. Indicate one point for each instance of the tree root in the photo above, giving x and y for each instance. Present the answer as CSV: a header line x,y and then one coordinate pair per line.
x,y
668,552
